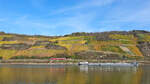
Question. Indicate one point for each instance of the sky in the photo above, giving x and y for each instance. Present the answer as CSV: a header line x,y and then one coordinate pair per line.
x,y
60,17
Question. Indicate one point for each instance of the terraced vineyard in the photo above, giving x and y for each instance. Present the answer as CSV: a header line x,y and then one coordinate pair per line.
x,y
102,45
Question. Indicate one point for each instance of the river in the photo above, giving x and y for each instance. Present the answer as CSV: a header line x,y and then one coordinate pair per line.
x,y
73,74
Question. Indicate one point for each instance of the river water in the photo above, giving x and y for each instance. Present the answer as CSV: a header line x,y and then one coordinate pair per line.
x,y
73,74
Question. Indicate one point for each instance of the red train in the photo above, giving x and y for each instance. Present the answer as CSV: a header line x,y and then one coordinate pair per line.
x,y
57,58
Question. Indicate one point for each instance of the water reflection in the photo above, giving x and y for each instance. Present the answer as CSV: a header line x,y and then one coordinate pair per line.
x,y
43,74
87,68
146,75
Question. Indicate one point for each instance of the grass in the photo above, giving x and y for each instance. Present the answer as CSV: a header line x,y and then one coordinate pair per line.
x,y
6,35
29,57
98,44
38,38
73,42
39,52
36,47
119,36
71,38
143,37
3,36
6,54
9,42
135,50
124,39
112,49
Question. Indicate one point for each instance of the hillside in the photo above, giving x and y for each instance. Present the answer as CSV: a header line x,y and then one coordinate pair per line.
x,y
100,45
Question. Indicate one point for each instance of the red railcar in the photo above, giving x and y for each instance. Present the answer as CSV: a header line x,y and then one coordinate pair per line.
x,y
57,58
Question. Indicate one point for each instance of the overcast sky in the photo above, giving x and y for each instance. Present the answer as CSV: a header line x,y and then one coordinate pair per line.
x,y
59,17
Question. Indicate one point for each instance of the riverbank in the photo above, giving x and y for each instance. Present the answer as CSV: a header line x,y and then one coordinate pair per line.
x,y
66,62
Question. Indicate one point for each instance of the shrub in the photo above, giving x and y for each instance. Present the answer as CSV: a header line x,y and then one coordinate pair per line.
x,y
1,57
